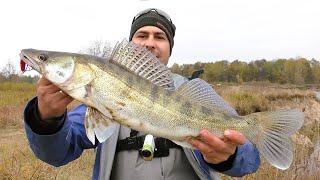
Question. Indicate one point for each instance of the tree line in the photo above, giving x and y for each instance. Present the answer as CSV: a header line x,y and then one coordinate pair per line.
x,y
293,71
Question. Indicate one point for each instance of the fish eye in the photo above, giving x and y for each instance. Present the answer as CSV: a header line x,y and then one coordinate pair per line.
x,y
43,57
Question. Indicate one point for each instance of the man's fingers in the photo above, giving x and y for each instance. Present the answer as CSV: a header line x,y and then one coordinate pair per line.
x,y
64,101
64,98
43,82
203,147
68,100
211,139
209,154
59,95
45,87
215,157
217,149
217,143
52,102
59,101
49,89
235,137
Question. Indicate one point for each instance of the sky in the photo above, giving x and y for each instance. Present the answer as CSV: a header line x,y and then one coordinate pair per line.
x,y
207,30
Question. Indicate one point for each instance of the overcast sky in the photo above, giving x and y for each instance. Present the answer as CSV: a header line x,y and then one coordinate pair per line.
x,y
208,30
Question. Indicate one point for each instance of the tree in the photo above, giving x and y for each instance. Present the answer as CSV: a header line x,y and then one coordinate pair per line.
x,y
306,71
294,71
187,70
261,72
315,66
275,71
216,72
2,77
9,71
98,48
175,68
237,71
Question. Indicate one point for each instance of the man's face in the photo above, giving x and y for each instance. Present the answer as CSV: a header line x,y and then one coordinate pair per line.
x,y
154,39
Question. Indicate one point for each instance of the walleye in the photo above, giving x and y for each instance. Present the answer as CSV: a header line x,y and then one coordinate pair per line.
x,y
134,89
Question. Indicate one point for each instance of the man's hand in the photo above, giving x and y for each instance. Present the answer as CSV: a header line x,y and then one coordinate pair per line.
x,y
216,150
51,101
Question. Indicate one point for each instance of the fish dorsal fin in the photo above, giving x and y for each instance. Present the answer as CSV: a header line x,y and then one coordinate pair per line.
x,y
200,92
142,62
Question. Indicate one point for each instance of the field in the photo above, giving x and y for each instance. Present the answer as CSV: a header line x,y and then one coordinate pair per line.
x,y
18,162
254,98
16,158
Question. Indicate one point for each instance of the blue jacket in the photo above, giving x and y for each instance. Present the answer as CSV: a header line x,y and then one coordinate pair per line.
x,y
69,142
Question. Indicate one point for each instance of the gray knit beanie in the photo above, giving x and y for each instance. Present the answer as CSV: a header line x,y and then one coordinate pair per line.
x,y
154,17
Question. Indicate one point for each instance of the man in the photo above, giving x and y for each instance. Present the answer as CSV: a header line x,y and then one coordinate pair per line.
x,y
58,137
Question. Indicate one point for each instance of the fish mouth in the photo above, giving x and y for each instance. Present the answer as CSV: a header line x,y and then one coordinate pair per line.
x,y
29,61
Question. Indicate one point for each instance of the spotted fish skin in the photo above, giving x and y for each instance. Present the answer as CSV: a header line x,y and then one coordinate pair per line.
x,y
132,88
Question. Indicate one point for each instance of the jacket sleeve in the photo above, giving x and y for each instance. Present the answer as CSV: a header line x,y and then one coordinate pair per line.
x,y
62,146
247,160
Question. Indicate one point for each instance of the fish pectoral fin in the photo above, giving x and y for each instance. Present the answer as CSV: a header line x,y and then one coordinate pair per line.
x,y
273,141
200,92
98,125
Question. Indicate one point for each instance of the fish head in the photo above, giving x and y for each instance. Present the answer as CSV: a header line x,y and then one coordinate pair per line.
x,y
57,67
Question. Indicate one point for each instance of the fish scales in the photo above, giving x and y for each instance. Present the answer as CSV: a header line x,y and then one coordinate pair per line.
x,y
133,88
132,95
147,105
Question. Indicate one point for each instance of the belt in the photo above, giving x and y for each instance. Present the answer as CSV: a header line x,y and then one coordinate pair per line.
x,y
162,145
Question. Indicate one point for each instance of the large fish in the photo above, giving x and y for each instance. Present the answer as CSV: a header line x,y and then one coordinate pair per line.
x,y
133,88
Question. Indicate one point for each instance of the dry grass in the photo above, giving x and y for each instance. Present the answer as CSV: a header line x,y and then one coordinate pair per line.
x,y
18,162
13,98
16,158
248,99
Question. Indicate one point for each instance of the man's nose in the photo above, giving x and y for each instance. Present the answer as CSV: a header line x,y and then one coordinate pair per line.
x,y
150,43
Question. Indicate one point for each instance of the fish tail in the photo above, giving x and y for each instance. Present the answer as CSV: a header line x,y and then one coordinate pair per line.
x,y
273,141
